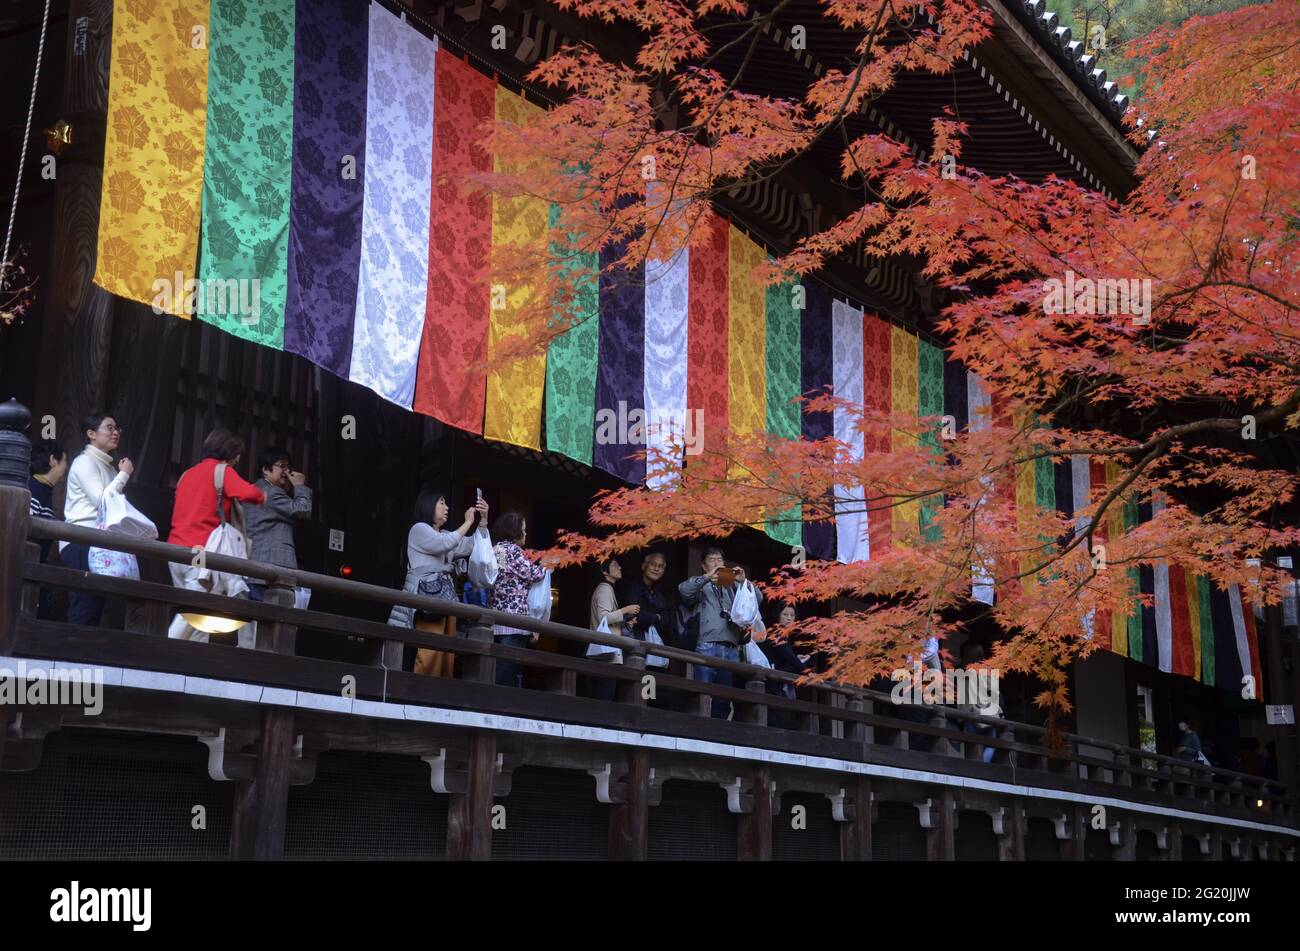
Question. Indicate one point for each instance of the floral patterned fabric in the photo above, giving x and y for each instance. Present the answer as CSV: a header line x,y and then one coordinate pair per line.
x,y
851,522
329,154
815,361
153,151
667,297
394,273
248,168
746,367
621,374
451,382
515,572
929,402
706,374
877,396
513,412
782,381
903,362
572,359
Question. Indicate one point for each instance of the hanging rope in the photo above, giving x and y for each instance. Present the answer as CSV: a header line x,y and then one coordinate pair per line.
x,y
22,152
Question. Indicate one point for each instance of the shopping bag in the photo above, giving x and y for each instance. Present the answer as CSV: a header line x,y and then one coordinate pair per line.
x,y
754,655
301,598
603,650
123,518
744,608
539,598
652,637
482,562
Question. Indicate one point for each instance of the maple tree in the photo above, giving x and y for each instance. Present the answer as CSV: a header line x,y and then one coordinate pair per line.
x,y
1179,399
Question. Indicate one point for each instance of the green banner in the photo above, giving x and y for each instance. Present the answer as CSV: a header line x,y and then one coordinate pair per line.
x,y
571,358
784,372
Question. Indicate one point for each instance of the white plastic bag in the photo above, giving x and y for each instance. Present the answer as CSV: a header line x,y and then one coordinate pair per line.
x,y
652,637
301,598
601,650
482,562
123,518
744,609
754,655
539,598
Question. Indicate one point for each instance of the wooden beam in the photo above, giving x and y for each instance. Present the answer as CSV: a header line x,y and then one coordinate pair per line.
x,y
469,814
941,837
1011,843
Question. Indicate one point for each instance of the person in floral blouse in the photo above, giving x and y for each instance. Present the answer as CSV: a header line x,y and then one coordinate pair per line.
x,y
515,573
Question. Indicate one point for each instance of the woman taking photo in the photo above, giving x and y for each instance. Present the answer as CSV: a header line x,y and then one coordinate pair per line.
x,y
515,573
604,607
430,551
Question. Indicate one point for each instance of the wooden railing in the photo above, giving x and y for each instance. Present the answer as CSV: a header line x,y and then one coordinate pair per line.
x,y
838,712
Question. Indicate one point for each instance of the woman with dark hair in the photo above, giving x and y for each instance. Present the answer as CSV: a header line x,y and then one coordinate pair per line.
x,y
515,573
91,475
430,551
604,607
195,516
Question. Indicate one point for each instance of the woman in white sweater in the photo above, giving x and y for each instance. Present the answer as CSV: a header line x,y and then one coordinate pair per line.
x,y
92,474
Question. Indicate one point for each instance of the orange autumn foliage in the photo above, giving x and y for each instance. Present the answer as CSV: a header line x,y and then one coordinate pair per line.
x,y
1161,389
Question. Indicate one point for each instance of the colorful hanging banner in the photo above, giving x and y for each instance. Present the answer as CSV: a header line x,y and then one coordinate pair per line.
x,y
451,379
248,170
929,403
852,541
746,341
153,153
571,357
781,351
620,377
904,356
877,398
707,356
669,420
394,274
816,379
979,405
328,185
513,412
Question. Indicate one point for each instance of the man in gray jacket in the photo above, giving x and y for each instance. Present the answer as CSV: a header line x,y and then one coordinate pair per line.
x,y
719,635
270,526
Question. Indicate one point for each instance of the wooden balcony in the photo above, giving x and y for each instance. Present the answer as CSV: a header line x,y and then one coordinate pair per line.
x,y
267,714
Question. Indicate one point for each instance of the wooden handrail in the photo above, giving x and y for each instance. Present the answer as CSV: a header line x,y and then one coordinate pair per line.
x,y
1200,776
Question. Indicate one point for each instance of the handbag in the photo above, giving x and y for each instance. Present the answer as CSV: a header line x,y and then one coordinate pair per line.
x,y
436,585
107,561
226,539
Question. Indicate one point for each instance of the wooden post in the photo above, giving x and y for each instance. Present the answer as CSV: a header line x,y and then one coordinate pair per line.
x,y
1175,851
77,334
480,668
262,805
941,838
855,835
15,503
754,832
1126,851
1011,844
469,814
629,821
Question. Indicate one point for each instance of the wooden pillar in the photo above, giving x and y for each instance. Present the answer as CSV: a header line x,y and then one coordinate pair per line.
x,y
855,835
941,837
15,502
629,820
1126,851
469,814
754,842
262,804
1174,853
77,333
1011,843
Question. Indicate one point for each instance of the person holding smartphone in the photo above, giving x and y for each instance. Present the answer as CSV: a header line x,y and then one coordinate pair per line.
x,y
709,596
270,525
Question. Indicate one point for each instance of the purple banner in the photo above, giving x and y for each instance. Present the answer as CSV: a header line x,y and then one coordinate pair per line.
x,y
815,359
620,375
329,148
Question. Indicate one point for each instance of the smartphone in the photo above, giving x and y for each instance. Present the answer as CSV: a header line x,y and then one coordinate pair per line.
x,y
479,493
725,577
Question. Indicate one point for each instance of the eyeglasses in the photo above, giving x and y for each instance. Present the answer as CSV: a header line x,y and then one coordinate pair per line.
x,y
111,428
280,465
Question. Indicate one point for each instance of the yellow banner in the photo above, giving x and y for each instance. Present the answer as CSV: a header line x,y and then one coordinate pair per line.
x,y
519,231
746,340
904,360
1115,531
153,151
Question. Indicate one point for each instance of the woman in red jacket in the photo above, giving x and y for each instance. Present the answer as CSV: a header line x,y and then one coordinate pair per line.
x,y
194,514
